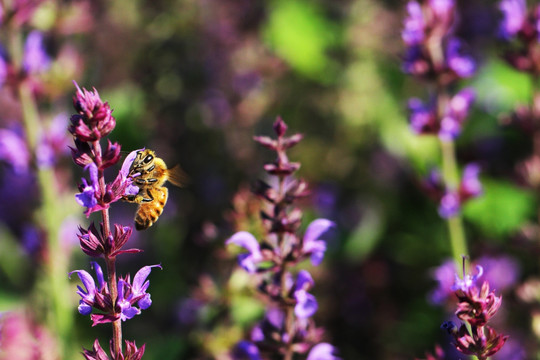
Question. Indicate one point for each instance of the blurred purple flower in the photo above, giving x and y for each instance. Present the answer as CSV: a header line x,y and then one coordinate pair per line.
x,y
450,205
463,65
415,62
246,350
468,280
306,304
470,185
422,117
443,9
54,142
456,112
312,245
502,272
246,240
413,31
35,59
444,275
13,150
514,15
3,70
322,351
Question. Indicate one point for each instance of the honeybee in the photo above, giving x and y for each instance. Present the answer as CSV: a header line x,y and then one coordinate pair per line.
x,y
152,195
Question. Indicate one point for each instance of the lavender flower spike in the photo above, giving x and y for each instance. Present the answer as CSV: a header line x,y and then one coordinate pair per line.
x,y
322,351
247,241
312,244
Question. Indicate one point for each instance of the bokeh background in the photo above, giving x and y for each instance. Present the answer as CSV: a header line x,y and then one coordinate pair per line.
x,y
195,80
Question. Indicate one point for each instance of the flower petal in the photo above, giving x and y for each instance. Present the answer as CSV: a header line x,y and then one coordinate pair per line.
x,y
316,229
139,286
247,241
322,351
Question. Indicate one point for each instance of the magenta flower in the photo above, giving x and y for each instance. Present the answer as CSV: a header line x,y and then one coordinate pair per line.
x,y
322,351
94,119
35,60
312,245
250,260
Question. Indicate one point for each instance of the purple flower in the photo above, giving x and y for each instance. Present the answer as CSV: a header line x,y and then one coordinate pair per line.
x,y
413,31
322,351
514,15
3,70
462,65
53,142
443,9
501,272
94,119
468,280
130,294
89,292
422,117
312,245
415,62
246,350
470,184
35,60
89,192
246,240
306,304
13,150
456,112
444,275
450,205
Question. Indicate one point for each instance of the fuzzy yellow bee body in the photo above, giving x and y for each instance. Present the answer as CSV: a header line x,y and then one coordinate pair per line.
x,y
152,195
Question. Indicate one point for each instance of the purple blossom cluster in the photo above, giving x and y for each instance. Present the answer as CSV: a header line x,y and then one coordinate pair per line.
x,y
287,327
111,301
434,53
476,306
521,27
451,200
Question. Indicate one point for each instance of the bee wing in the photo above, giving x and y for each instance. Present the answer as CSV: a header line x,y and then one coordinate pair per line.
x,y
177,176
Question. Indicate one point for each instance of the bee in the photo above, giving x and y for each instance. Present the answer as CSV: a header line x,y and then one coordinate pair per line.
x,y
152,196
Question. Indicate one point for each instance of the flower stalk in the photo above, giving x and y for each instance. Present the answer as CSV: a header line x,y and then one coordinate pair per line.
x,y
287,329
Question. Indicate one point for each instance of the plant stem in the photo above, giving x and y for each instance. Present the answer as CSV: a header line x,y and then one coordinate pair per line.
x,y
451,180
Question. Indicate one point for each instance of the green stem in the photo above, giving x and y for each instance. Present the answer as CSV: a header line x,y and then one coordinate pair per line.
x,y
451,180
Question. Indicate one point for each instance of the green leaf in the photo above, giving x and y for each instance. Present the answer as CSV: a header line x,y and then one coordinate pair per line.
x,y
299,33
502,209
